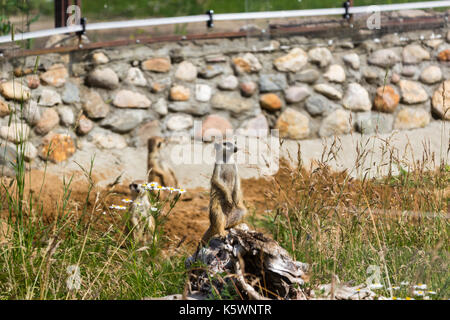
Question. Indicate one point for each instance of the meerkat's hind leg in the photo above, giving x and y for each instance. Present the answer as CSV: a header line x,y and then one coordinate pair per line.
x,y
217,226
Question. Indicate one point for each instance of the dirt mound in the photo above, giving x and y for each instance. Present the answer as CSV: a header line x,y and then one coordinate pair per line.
x,y
186,224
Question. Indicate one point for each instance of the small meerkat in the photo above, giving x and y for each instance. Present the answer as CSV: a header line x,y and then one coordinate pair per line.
x,y
159,170
141,218
226,207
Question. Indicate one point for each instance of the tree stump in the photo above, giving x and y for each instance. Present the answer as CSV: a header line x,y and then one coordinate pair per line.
x,y
251,263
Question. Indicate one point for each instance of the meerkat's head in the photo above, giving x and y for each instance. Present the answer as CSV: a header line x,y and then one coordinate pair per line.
x,y
154,144
225,151
136,187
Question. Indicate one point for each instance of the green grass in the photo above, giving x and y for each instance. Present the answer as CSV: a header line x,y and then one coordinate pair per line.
x,y
353,225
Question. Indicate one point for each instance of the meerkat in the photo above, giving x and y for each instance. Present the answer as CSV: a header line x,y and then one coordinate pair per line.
x,y
159,170
226,207
141,218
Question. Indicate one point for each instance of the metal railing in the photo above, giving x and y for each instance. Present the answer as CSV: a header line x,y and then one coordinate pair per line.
x,y
221,17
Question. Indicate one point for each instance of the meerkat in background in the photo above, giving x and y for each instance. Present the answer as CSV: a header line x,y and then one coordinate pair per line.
x,y
141,218
158,170
226,207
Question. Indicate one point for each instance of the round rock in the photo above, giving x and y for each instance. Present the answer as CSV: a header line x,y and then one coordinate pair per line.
x,y
412,92
386,99
336,123
294,61
293,125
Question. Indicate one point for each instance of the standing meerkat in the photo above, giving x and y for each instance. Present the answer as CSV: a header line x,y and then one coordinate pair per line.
x,y
141,218
226,207
159,170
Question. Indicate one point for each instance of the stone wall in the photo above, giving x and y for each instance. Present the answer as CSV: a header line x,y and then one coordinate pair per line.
x,y
307,88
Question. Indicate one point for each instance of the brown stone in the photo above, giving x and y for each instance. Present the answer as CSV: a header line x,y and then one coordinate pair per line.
x,y
386,99
179,93
57,147
14,90
248,88
157,65
215,126
4,109
32,81
247,63
270,102
20,72
49,120
444,55
293,125
56,76
157,87
84,125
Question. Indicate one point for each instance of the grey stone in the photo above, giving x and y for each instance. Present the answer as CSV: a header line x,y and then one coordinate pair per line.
x,y
123,121
370,74
66,115
353,60
203,92
431,74
374,122
179,122
232,102
328,91
71,93
272,82
94,106
210,71
198,109
16,132
8,157
32,113
136,77
296,94
254,127
229,82
107,140
357,98
30,151
318,105
161,107
384,58
412,92
103,78
307,76
186,71
49,98
414,53
321,56
131,99
335,73
336,123
409,71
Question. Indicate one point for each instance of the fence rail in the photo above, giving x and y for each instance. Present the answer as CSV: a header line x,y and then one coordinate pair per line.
x,y
221,17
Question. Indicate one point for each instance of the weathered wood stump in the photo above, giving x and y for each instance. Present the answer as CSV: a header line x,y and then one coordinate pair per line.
x,y
251,263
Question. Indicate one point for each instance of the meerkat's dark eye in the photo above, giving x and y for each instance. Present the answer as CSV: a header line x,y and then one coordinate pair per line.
x,y
133,186
159,145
